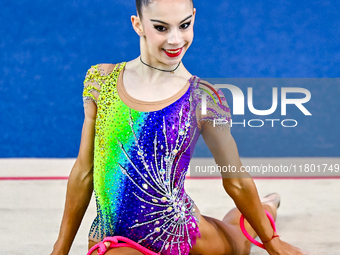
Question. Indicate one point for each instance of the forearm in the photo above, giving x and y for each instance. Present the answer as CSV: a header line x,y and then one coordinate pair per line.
x,y
78,196
244,193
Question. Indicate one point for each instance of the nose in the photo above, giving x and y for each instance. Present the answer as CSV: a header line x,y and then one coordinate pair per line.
x,y
174,37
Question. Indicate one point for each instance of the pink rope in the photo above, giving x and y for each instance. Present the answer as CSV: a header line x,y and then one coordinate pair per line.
x,y
114,244
250,238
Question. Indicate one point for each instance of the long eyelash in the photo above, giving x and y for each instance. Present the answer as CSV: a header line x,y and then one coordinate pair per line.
x,y
188,23
160,27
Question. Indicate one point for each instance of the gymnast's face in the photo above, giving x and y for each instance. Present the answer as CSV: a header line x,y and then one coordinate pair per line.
x,y
166,29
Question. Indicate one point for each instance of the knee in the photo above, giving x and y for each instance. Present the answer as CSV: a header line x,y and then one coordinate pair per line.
x,y
243,249
247,248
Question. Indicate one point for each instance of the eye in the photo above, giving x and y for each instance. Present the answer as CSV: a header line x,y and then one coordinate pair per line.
x,y
160,28
185,25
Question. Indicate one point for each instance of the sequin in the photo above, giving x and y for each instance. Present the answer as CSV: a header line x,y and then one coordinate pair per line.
x,y
174,152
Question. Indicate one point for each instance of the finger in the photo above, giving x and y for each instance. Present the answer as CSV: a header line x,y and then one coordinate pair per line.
x,y
107,244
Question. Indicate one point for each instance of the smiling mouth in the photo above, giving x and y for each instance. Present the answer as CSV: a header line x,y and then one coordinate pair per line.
x,y
173,51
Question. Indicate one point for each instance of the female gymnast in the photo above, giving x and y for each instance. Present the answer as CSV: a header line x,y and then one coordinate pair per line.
x,y
142,121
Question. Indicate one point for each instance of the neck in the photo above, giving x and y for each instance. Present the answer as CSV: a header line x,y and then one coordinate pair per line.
x,y
147,75
153,66
158,69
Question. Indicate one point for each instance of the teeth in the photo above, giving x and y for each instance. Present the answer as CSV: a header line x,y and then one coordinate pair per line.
x,y
173,52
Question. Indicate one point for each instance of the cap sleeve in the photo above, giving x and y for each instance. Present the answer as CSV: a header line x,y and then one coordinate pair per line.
x,y
217,111
92,84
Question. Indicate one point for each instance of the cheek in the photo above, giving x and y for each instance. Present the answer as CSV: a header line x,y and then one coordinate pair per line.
x,y
190,35
153,37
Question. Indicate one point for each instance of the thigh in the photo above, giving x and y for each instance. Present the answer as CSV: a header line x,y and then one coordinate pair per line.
x,y
217,238
116,251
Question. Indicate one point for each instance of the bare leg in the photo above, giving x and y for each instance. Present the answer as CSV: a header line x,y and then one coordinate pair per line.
x,y
217,237
270,203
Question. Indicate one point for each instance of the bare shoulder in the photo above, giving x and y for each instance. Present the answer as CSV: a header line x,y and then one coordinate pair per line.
x,y
105,68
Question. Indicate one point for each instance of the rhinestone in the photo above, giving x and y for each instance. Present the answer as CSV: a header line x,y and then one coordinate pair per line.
x,y
174,151
187,123
167,246
181,132
162,171
166,158
157,229
154,200
164,199
169,209
145,186
140,153
123,170
175,191
157,222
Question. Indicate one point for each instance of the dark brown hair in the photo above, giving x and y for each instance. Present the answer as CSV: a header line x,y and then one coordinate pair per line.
x,y
141,3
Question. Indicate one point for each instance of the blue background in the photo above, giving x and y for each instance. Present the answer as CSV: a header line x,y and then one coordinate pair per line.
x,y
47,46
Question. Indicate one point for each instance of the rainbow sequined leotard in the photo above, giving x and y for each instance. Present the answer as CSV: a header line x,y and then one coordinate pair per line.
x,y
140,162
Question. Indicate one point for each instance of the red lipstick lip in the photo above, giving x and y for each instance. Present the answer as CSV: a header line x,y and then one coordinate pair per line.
x,y
174,55
175,49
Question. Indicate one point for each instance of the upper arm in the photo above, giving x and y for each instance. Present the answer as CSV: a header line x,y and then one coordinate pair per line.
x,y
215,130
91,91
224,150
213,101
93,83
92,86
94,80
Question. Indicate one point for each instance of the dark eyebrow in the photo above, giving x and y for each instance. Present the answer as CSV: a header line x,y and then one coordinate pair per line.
x,y
167,23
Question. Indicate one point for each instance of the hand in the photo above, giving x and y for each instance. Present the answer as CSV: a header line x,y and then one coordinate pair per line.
x,y
279,247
